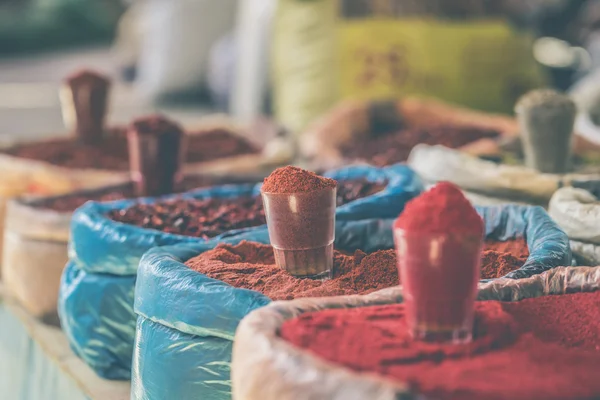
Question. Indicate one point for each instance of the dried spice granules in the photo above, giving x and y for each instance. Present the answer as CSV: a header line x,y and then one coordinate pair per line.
x,y
540,348
395,147
68,203
441,210
251,265
209,218
295,180
111,152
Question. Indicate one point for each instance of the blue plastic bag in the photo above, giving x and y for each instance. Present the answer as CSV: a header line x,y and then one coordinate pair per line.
x,y
186,318
104,253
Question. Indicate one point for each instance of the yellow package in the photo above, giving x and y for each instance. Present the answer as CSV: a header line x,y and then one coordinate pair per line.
x,y
322,55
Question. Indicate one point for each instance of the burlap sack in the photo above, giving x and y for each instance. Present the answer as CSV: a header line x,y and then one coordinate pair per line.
x,y
350,120
268,368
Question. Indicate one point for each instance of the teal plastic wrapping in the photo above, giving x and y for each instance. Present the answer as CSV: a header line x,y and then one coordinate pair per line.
x,y
96,296
179,308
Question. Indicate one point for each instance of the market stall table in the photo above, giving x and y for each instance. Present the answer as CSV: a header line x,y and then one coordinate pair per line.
x,y
36,362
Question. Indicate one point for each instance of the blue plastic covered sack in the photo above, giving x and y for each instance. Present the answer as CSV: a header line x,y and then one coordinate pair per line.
x,y
187,321
104,253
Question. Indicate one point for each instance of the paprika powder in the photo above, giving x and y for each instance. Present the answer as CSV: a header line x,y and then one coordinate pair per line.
x,y
251,265
539,348
439,239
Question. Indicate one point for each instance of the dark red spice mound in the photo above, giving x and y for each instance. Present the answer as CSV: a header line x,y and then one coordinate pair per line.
x,y
355,189
69,203
209,218
200,218
441,210
217,143
295,180
395,147
251,265
542,348
112,153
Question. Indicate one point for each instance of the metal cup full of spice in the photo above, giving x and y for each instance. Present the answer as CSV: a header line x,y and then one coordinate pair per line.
x,y
156,155
84,101
300,211
546,120
438,239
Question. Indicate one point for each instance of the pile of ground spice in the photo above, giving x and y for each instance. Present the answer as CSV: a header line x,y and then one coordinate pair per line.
x,y
442,210
251,265
111,154
395,147
70,202
295,180
217,143
209,218
541,348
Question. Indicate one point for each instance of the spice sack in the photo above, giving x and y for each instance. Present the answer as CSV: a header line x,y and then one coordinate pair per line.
x,y
509,182
265,366
577,211
188,318
104,255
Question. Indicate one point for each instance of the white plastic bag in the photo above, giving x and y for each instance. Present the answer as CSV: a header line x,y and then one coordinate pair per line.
x,y
267,367
438,163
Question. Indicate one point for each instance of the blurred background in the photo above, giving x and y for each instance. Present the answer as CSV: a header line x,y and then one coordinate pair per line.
x,y
289,59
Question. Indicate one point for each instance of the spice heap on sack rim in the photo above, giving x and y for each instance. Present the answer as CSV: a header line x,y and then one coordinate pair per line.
x,y
439,238
255,266
210,217
84,99
300,211
538,348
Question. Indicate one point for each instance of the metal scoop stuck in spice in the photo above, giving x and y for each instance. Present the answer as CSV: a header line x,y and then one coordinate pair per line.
x,y
300,211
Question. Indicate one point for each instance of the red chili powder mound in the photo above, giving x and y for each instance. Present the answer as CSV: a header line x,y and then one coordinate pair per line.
x,y
251,265
295,180
441,210
543,348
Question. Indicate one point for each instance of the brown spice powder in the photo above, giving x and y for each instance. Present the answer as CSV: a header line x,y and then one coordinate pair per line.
x,y
295,180
251,265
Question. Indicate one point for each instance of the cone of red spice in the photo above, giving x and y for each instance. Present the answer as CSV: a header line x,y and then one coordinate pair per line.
x,y
439,238
156,155
84,100
300,210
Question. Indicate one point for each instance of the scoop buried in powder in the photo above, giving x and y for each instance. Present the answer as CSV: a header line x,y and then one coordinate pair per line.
x,y
156,154
300,210
438,239
84,99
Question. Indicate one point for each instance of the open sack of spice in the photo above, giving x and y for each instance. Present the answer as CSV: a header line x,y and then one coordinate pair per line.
x,y
384,132
108,240
95,155
546,147
212,287
36,231
533,338
577,211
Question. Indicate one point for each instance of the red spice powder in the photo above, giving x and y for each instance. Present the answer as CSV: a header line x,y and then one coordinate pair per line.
x,y
542,348
211,217
251,265
441,210
500,258
295,180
